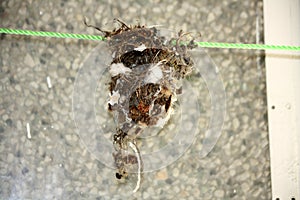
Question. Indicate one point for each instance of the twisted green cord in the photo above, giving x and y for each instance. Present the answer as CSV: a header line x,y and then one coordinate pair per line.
x,y
201,44
247,46
50,34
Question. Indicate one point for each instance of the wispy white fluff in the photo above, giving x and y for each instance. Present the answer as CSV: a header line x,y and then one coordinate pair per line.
x,y
140,48
114,98
118,68
155,74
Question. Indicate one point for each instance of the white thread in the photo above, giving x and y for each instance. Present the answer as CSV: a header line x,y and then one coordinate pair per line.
x,y
28,131
137,153
49,82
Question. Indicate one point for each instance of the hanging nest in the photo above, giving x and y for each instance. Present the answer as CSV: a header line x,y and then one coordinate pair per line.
x,y
145,71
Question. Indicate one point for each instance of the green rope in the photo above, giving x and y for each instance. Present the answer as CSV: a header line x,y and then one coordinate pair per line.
x,y
50,34
201,44
247,46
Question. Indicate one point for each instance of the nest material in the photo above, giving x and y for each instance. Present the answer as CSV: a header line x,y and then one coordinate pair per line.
x,y
145,71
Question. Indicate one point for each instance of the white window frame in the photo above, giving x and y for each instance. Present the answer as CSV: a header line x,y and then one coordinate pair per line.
x,y
282,26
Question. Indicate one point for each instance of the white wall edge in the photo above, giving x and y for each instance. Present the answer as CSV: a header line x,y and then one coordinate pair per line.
x,y
282,26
